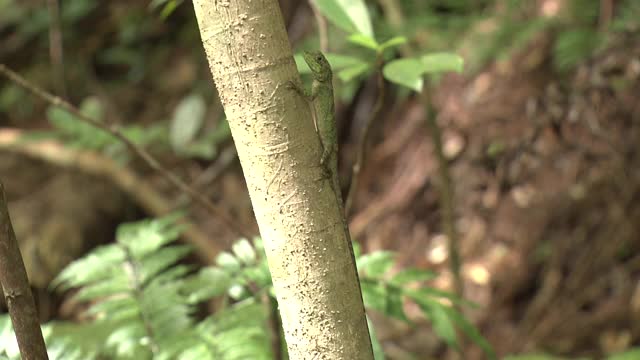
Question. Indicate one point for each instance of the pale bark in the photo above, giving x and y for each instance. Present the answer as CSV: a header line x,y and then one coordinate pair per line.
x,y
312,270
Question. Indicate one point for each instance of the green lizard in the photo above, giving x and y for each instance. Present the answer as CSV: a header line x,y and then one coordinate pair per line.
x,y
321,96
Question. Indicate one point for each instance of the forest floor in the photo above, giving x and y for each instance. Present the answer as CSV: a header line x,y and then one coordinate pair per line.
x,y
546,179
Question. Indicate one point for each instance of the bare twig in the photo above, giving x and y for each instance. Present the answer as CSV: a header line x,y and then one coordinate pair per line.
x,y
364,139
446,192
140,152
56,49
17,292
323,33
606,13
227,157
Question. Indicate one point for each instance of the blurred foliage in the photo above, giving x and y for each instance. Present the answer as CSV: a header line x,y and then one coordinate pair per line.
x,y
362,37
142,300
117,53
495,29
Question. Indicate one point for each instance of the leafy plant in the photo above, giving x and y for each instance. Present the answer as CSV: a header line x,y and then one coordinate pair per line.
x,y
387,292
183,133
143,303
187,122
142,300
168,6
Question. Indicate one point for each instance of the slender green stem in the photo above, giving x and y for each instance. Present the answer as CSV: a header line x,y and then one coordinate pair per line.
x,y
364,139
446,193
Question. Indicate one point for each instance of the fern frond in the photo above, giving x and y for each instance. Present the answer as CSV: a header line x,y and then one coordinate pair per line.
x,y
135,288
239,332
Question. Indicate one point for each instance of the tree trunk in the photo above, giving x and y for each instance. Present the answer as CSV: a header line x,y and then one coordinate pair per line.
x,y
313,273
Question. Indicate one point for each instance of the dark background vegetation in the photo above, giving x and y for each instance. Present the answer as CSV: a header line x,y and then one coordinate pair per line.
x,y
541,132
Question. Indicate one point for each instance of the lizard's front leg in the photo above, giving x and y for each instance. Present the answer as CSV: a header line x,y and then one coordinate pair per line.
x,y
306,94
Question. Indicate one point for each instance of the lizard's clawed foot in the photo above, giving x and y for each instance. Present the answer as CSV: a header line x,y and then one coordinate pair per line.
x,y
292,86
325,173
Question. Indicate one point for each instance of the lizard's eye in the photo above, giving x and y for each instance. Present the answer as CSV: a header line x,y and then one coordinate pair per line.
x,y
319,58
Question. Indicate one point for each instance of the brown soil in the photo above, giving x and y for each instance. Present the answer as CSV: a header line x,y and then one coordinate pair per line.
x,y
549,222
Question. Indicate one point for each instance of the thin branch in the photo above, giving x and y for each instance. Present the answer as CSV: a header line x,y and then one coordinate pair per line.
x,y
446,193
323,32
606,13
56,49
211,174
364,139
17,293
92,163
140,152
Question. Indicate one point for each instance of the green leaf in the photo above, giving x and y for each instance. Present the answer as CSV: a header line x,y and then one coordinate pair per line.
x,y
77,132
378,352
146,236
406,72
258,244
237,292
115,309
339,61
394,304
258,274
221,133
393,42
412,275
227,261
160,260
125,340
91,268
8,341
92,107
437,63
364,41
350,73
349,15
374,296
430,293
357,250
439,318
115,284
471,331
188,118
359,15
244,251
169,8
336,14
376,264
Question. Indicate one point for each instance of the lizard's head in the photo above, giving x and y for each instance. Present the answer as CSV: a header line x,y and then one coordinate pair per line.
x,y
318,64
